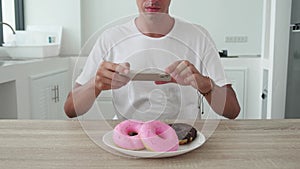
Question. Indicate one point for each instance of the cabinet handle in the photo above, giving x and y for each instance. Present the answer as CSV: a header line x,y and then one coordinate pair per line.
x,y
264,94
57,89
54,91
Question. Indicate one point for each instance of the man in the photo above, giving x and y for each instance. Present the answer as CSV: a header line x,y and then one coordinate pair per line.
x,y
152,40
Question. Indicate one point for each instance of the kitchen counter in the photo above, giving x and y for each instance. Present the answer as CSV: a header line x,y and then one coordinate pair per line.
x,y
14,62
9,61
241,144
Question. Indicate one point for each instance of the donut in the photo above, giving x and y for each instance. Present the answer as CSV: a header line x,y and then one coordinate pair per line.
x,y
185,132
127,135
159,137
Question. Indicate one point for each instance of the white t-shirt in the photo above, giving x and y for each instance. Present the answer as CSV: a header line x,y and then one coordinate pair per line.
x,y
145,100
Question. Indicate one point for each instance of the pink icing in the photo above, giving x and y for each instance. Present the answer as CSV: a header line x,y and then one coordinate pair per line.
x,y
159,137
122,138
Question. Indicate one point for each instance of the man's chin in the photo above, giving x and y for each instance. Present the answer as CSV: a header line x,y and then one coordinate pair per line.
x,y
154,14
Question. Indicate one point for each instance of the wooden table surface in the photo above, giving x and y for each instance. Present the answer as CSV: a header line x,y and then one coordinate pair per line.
x,y
240,144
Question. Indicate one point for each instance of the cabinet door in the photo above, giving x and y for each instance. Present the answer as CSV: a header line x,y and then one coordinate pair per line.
x,y
48,92
238,77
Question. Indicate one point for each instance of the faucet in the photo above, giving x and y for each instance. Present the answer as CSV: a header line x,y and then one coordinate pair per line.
x,y
12,29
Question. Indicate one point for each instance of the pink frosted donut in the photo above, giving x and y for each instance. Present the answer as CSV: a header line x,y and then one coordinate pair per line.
x,y
159,137
127,135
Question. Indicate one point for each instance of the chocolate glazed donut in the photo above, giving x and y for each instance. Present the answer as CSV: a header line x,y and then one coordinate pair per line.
x,y
185,132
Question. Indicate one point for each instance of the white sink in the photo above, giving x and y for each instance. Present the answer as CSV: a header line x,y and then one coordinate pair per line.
x,y
35,42
31,52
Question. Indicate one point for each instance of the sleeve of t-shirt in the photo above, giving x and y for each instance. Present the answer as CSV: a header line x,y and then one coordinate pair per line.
x,y
212,64
91,65
214,68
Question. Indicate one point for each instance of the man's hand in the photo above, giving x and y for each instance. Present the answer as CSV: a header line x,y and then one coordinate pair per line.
x,y
185,73
109,75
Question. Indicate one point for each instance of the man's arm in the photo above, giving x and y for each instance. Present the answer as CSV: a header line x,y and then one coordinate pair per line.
x,y
221,99
82,97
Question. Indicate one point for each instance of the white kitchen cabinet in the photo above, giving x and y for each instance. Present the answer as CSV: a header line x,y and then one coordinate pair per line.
x,y
251,66
25,87
8,100
48,92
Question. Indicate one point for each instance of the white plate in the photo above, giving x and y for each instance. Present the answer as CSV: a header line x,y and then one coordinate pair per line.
x,y
200,140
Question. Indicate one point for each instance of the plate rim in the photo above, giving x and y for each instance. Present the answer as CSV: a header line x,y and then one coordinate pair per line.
x,y
150,154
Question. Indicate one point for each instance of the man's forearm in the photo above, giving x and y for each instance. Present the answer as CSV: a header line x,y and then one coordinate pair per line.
x,y
81,99
224,102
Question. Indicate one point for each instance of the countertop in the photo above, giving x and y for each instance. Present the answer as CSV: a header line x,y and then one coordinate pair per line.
x,y
14,62
8,61
240,144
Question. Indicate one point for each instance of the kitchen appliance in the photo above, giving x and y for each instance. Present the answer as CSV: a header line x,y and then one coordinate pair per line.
x,y
293,81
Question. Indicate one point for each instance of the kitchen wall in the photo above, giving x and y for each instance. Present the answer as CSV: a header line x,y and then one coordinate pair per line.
x,y
222,18
8,16
66,13
226,18
82,18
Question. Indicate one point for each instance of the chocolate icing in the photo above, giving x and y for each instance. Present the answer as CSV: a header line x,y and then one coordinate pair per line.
x,y
185,132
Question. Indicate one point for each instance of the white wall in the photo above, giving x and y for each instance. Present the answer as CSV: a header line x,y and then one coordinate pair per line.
x,y
226,18
58,12
221,18
82,18
98,13
8,16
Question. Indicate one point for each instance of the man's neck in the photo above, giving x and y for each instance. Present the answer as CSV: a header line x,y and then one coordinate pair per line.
x,y
154,25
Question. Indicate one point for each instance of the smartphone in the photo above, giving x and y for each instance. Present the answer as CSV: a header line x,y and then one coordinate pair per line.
x,y
148,76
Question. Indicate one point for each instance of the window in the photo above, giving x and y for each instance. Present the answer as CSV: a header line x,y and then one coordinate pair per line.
x,y
11,12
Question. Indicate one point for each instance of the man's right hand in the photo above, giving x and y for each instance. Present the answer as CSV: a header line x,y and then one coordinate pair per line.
x,y
109,75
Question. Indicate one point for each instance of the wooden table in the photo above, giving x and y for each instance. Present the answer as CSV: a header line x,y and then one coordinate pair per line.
x,y
240,144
